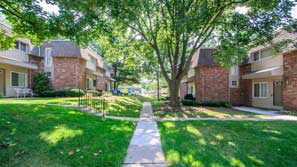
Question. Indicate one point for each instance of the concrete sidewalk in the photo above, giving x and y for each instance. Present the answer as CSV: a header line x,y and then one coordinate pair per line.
x,y
145,148
273,114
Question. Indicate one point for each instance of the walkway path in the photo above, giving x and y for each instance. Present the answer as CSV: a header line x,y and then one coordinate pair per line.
x,y
271,113
145,148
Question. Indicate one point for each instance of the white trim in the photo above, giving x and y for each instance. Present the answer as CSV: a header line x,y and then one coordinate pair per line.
x,y
26,79
47,64
260,96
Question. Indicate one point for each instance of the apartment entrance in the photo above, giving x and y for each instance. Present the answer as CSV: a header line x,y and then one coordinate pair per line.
x,y
278,93
2,82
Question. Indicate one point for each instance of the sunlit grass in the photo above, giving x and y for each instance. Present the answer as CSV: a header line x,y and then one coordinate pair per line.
x,y
125,106
47,135
229,143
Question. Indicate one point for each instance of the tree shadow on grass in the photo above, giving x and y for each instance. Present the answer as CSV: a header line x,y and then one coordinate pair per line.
x,y
229,143
41,135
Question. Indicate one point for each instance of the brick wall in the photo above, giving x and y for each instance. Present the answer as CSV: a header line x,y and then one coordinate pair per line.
x,y
235,96
245,86
68,72
212,83
290,81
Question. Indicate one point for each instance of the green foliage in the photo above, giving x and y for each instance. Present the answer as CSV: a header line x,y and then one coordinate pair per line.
x,y
63,93
1,95
206,103
94,92
40,83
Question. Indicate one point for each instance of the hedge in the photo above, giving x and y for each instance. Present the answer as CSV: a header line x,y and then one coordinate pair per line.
x,y
63,93
206,103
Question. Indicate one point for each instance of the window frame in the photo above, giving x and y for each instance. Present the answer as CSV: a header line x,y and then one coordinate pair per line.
x,y
46,61
25,81
18,46
260,90
235,84
260,55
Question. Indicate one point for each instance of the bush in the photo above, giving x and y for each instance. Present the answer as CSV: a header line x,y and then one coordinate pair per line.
x,y
63,93
107,94
206,103
40,83
94,92
1,95
189,97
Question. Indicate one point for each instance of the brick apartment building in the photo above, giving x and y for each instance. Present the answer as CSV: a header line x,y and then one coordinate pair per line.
x,y
265,81
66,64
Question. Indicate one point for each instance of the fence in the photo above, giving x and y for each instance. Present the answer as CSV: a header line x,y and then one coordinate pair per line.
x,y
93,101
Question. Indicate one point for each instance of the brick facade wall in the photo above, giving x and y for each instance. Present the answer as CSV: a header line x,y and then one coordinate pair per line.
x,y
245,86
212,83
68,72
290,81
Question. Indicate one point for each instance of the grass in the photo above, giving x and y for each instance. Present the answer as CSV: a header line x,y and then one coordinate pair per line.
x,y
229,143
207,112
125,106
47,135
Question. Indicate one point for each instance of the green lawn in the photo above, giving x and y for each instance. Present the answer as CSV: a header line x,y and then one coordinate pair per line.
x,y
229,143
125,106
207,112
47,135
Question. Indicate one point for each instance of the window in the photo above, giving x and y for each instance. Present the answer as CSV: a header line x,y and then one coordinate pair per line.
x,y
92,60
263,54
234,83
18,79
91,83
21,46
94,83
49,74
234,70
261,90
48,57
256,56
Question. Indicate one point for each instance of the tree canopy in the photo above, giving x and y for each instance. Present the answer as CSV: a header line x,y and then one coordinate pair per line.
x,y
173,29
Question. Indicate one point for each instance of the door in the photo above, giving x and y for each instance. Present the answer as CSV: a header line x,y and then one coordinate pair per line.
x,y
2,82
277,93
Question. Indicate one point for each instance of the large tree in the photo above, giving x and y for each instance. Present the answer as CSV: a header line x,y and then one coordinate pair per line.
x,y
177,29
174,29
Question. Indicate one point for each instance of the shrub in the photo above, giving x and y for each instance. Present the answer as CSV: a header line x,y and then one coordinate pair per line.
x,y
94,92
189,97
75,93
63,93
1,95
40,83
206,103
107,94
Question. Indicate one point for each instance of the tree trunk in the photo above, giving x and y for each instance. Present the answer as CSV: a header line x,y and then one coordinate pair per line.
x,y
174,96
158,86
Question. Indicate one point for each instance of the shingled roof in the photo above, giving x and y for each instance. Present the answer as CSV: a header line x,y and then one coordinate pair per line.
x,y
203,57
60,48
